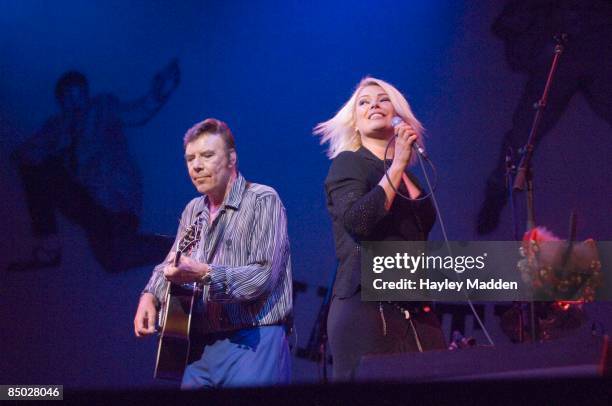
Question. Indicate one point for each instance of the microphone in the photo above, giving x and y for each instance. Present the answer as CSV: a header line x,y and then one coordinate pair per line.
x,y
395,121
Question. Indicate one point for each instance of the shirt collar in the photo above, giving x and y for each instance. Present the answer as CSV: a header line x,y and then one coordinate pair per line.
x,y
233,198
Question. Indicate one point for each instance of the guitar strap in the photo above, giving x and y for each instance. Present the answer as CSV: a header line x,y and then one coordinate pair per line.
x,y
221,231
219,235
191,239
200,306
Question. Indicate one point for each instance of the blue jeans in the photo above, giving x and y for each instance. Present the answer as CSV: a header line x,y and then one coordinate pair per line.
x,y
257,356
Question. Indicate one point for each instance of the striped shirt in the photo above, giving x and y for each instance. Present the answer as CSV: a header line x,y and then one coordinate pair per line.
x,y
250,281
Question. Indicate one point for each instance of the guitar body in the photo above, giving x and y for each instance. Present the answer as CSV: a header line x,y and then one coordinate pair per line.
x,y
180,337
174,341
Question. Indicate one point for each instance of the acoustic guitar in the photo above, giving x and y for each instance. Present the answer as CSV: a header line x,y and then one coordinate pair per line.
x,y
181,333
174,321
175,326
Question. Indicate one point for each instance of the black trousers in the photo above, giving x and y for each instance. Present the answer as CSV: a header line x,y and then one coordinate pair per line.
x,y
113,236
356,328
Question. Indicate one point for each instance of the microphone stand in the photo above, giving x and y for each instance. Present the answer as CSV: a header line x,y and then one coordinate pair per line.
x,y
510,172
524,174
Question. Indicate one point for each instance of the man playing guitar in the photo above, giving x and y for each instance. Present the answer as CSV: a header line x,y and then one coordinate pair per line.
x,y
235,263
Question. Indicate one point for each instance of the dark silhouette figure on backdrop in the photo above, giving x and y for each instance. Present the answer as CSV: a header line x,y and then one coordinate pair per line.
x,y
528,28
79,164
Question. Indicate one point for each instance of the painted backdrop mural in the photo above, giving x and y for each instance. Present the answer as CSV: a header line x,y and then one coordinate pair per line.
x,y
272,71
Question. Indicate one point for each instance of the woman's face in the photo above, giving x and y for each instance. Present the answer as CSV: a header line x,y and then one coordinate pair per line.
x,y
374,112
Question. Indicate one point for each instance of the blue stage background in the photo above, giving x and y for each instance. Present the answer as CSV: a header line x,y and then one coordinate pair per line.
x,y
272,70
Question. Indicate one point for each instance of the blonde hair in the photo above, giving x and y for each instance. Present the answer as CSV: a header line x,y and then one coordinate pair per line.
x,y
340,130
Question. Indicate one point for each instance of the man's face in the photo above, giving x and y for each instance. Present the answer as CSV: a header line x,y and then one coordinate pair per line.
x,y
210,164
74,99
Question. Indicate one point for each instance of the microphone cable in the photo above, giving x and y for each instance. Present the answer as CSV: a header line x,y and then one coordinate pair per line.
x,y
432,194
